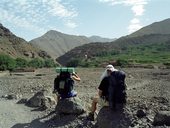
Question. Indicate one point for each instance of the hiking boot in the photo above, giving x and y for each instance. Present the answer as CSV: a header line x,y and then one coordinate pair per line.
x,y
90,116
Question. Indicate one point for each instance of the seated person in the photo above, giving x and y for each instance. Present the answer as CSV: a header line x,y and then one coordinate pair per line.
x,y
63,85
102,91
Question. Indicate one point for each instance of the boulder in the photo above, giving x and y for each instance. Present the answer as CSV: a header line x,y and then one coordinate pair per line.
x,y
162,118
69,106
28,54
41,99
108,118
22,101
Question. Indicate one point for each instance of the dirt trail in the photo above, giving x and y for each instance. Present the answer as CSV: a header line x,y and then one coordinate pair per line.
x,y
12,113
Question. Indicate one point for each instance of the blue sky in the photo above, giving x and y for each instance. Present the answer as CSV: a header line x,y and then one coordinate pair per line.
x,y
30,19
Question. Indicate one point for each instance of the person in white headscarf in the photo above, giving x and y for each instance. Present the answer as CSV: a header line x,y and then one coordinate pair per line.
x,y
102,91
105,73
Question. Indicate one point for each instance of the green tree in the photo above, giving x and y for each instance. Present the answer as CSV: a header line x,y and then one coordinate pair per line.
x,y
20,62
7,63
36,63
49,63
122,62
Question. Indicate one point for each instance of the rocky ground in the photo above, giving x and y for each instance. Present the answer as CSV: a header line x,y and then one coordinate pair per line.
x,y
148,93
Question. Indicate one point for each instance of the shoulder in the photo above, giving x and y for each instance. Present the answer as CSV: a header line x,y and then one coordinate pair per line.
x,y
106,78
120,74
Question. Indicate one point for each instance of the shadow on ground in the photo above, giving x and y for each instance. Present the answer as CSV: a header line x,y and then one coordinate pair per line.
x,y
50,120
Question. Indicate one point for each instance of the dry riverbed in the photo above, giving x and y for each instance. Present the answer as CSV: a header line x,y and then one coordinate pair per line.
x,y
147,89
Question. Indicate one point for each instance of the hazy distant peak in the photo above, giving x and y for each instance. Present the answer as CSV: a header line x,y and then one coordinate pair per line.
x,y
100,39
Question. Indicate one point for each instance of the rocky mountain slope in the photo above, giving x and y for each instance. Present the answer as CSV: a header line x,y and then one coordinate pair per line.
x,y
16,46
155,34
57,43
120,45
162,27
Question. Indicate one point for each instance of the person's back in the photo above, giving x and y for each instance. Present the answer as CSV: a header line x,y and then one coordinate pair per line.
x,y
63,84
117,89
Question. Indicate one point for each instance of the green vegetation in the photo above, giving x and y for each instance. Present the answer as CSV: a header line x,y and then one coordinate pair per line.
x,y
136,54
8,63
49,63
37,63
20,62
73,63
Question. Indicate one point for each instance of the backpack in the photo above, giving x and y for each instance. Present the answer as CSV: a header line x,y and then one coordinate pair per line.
x,y
117,89
63,84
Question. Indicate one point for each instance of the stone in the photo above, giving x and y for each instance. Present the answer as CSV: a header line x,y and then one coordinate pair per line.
x,y
37,100
141,113
162,118
10,96
22,101
49,101
69,106
41,99
28,54
43,54
108,118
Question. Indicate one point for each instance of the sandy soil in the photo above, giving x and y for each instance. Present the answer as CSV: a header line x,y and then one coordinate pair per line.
x,y
149,88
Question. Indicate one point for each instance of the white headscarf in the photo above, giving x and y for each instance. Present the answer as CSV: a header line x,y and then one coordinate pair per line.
x,y
105,74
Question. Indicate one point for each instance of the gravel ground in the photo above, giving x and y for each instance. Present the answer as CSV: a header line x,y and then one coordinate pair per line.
x,y
147,89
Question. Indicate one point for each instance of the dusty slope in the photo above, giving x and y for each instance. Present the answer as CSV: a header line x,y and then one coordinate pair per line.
x,y
15,46
56,43
161,27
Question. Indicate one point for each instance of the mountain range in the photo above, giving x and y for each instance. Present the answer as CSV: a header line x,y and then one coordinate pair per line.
x,y
66,47
51,44
56,43
155,34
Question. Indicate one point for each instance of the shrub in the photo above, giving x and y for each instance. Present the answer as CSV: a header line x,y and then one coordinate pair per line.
x,y
36,63
121,62
49,63
7,63
167,63
20,62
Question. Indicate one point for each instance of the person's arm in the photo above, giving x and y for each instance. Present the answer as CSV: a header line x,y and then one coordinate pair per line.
x,y
55,84
75,77
101,87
